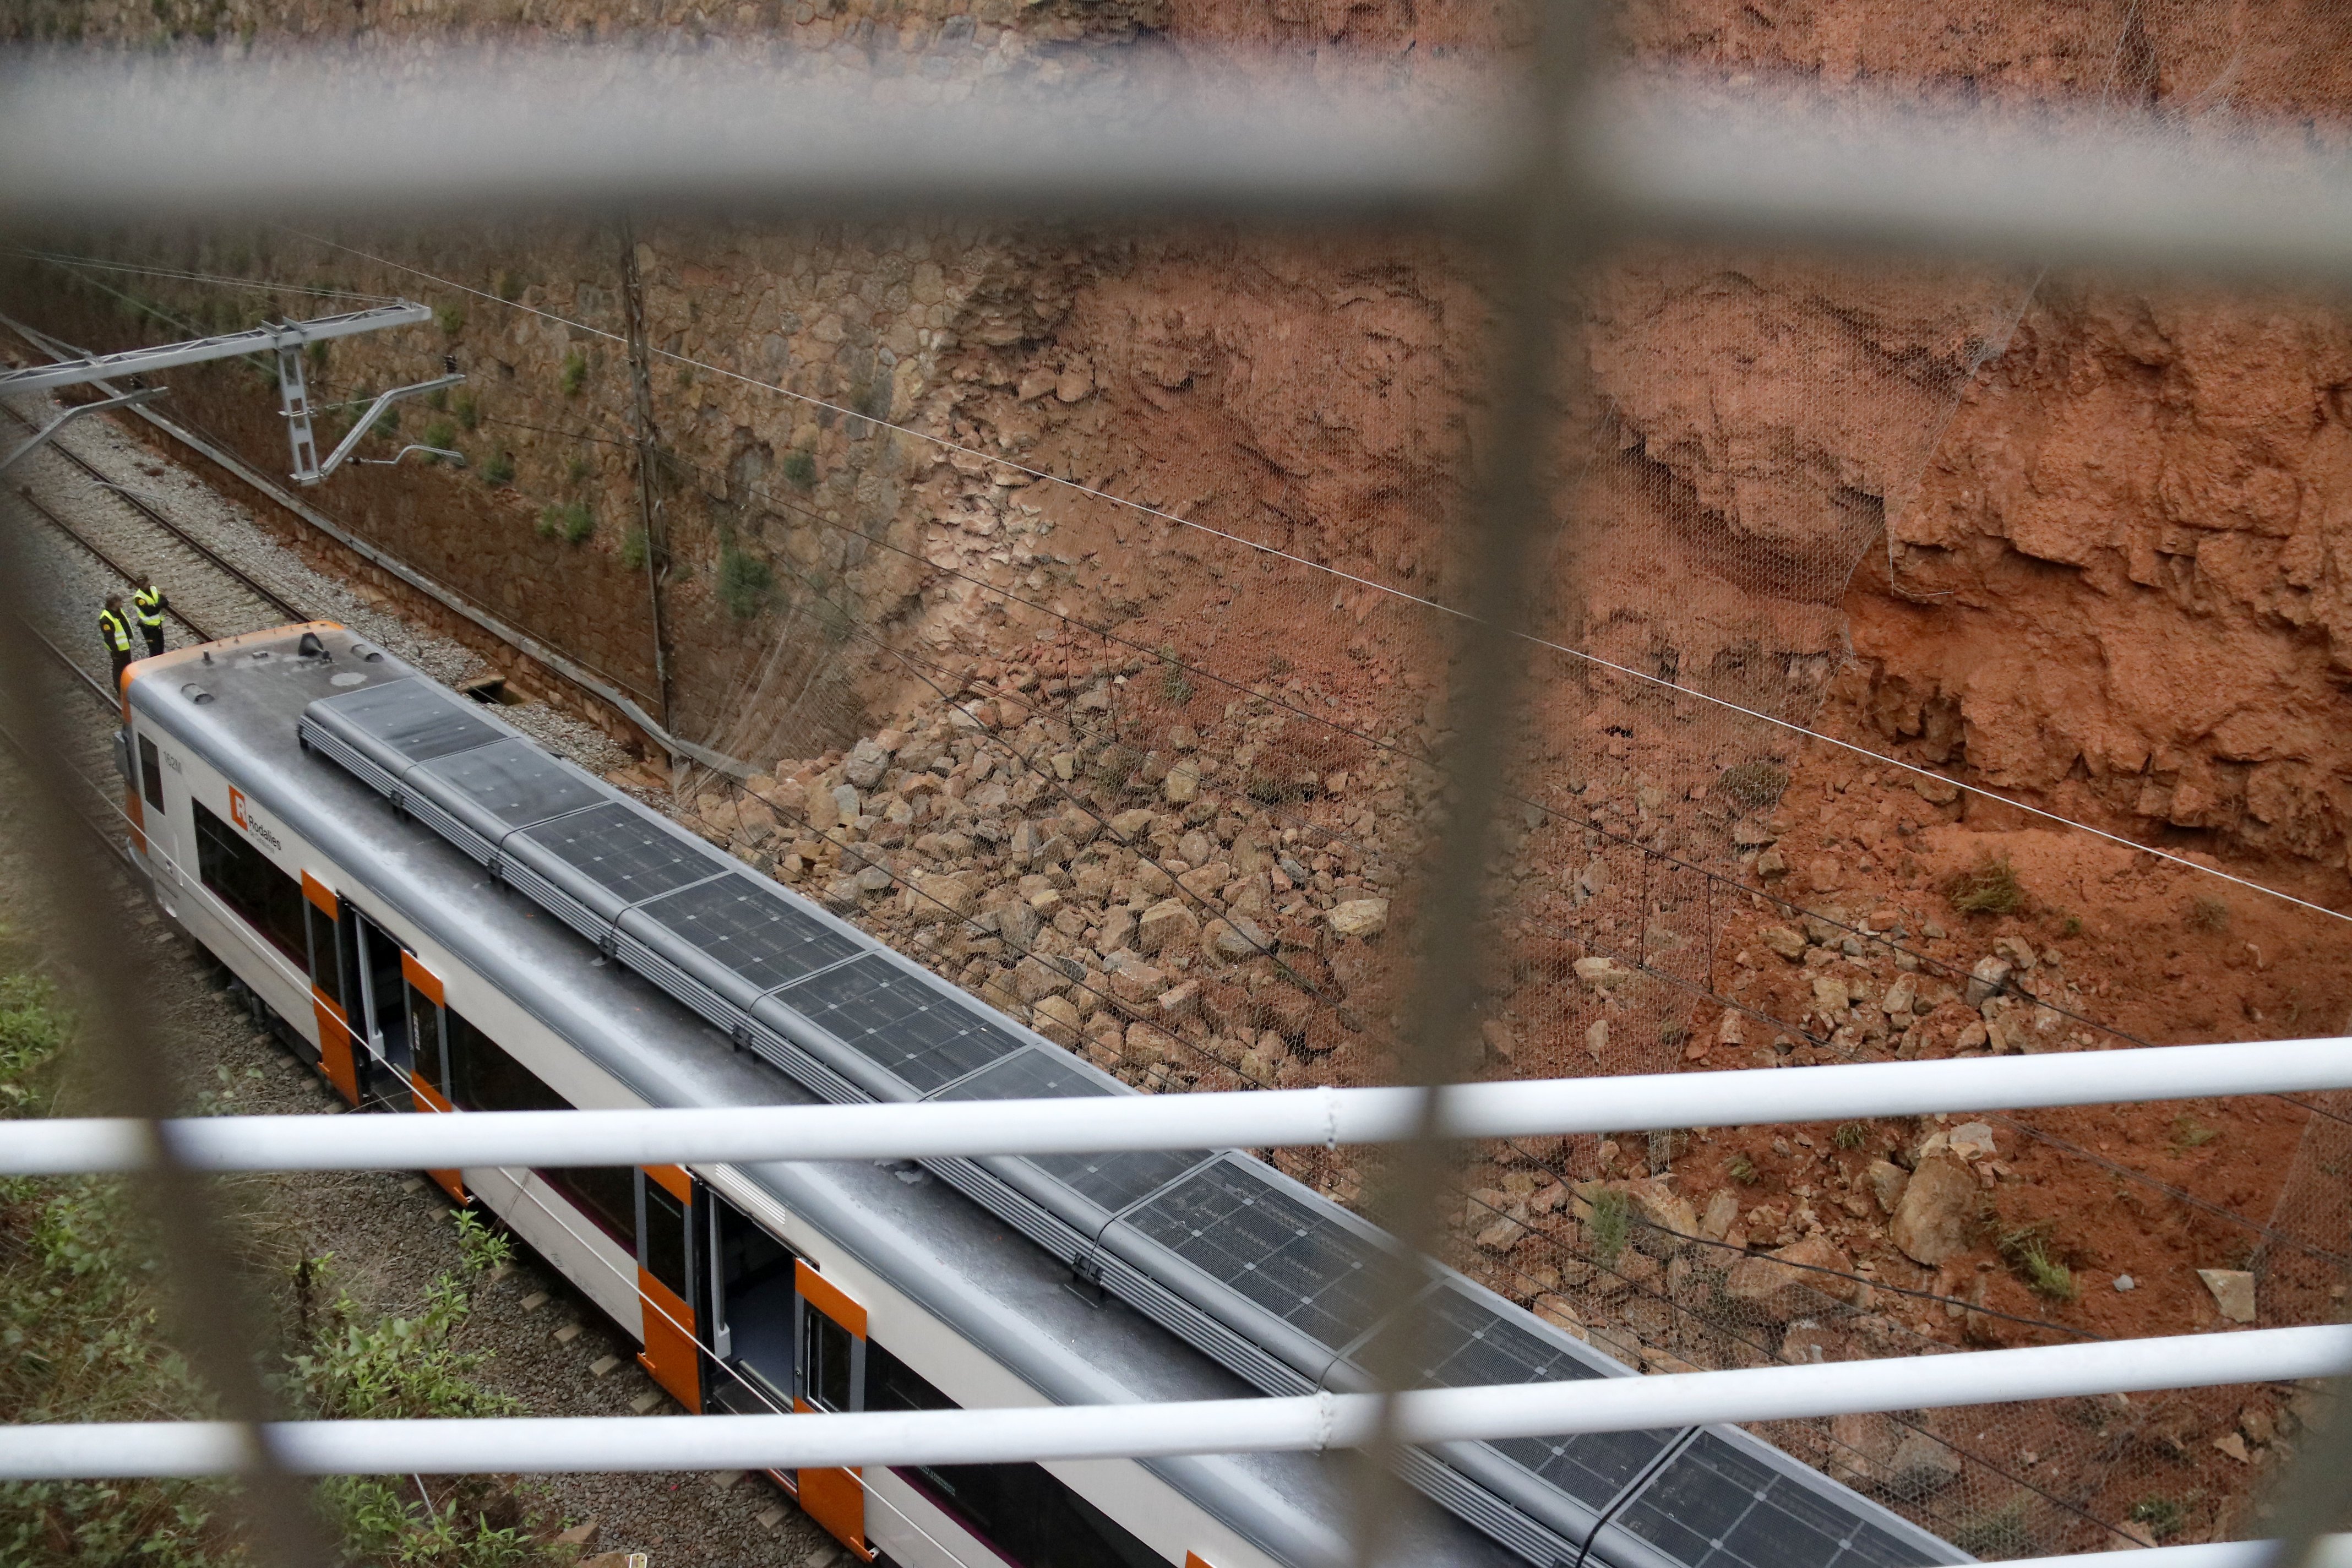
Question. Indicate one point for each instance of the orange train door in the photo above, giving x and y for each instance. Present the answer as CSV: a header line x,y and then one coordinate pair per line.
x,y
673,1353
329,1005
829,1373
428,1054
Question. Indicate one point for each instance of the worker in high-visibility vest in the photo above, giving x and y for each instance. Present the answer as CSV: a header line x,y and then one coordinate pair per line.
x,y
113,632
147,606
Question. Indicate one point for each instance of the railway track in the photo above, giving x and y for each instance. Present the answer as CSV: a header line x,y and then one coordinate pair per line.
x,y
182,539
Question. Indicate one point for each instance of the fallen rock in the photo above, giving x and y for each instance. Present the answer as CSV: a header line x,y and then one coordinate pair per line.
x,y
2234,1292
1787,944
1057,1018
1181,785
1235,937
1166,924
1602,974
1365,918
1774,1288
1972,1141
1887,1181
1831,996
1937,1217
1722,1214
1986,980
2234,1446
866,765
1935,791
1670,1216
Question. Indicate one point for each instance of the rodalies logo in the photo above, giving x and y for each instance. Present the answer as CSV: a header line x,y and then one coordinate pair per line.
x,y
243,818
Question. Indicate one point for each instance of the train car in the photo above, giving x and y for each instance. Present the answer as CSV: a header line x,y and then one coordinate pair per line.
x,y
442,917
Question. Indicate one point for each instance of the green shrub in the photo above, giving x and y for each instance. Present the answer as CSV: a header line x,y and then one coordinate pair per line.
x,y
2208,915
2026,1249
2162,1516
572,521
1612,1222
450,318
440,433
632,549
438,399
1996,1534
500,469
744,583
800,468
1852,1135
1743,1169
576,470
575,373
1992,888
469,411
508,286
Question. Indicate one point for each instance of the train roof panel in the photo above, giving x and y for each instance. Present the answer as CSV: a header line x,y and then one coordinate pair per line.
x,y
1266,1275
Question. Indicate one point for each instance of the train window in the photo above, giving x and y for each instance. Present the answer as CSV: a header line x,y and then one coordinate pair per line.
x,y
662,1244
605,1193
1022,1510
826,1349
326,969
151,772
243,877
424,1040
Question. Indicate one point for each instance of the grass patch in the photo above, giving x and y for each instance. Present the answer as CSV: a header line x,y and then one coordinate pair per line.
x,y
500,469
2162,1515
632,549
1743,1169
576,470
440,433
1174,690
572,522
800,468
508,286
2188,1133
1991,888
2207,915
1612,1222
1996,1534
575,373
2026,1250
1755,785
450,318
469,411
437,400
1852,1135
745,582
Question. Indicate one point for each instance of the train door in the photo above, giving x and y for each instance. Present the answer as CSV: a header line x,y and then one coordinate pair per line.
x,y
831,1376
383,1014
750,1332
331,991
155,826
428,1049
665,1281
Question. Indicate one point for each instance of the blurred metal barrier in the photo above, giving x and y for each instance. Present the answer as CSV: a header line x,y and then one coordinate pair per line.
x,y
1540,169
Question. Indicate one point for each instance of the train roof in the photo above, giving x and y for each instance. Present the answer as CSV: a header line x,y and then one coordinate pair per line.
x,y
1266,1277
931,1243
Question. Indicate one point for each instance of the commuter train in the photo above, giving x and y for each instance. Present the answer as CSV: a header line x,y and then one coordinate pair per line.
x,y
441,917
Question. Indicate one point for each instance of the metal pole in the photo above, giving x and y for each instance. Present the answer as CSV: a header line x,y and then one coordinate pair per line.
x,y
648,449
1529,223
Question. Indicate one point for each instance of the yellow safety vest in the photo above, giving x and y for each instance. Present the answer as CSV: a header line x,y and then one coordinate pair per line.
x,y
117,635
147,603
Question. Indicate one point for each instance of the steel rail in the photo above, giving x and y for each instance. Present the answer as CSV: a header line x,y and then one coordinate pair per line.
x,y
131,579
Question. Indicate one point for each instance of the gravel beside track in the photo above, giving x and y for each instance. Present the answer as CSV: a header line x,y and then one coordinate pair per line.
x,y
390,1236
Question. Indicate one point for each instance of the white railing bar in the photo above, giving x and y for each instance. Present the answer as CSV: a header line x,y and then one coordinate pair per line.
x,y
1246,1120
1303,1423
2330,1552
143,137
